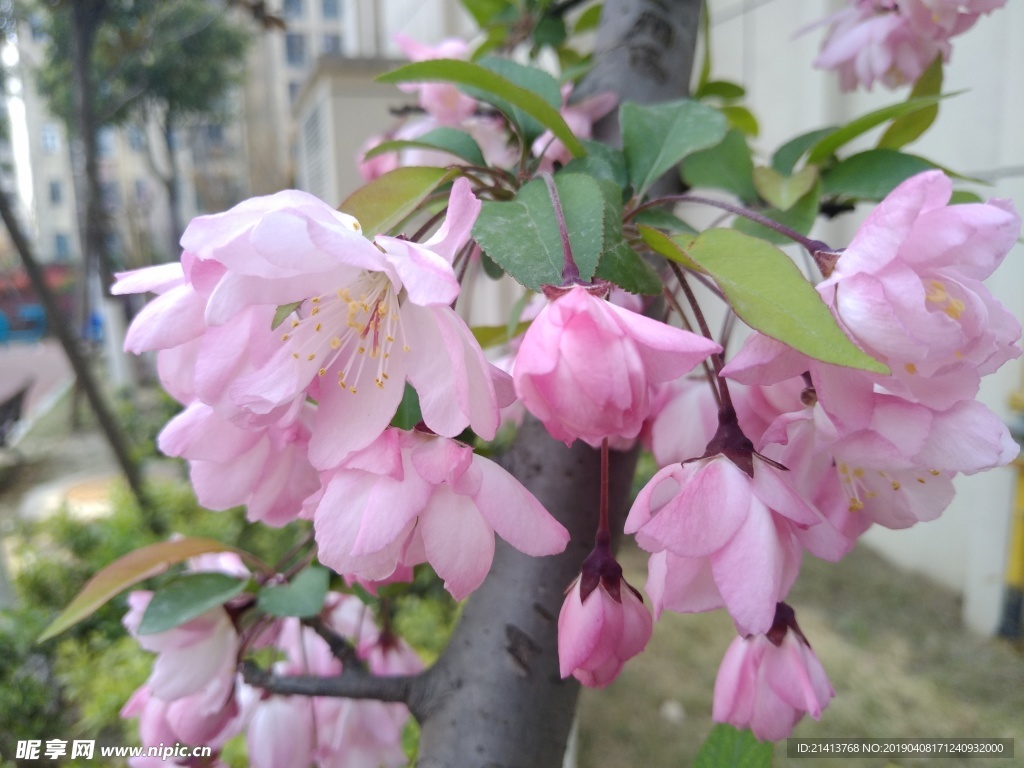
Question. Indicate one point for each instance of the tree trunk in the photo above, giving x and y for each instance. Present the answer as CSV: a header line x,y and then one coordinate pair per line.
x,y
171,185
495,697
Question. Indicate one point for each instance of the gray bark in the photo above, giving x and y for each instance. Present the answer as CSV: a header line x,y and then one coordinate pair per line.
x,y
495,697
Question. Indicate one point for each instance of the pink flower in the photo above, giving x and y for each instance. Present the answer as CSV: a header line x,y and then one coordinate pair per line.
x,y
732,528
767,682
410,498
442,101
280,733
585,366
601,625
267,469
580,117
893,43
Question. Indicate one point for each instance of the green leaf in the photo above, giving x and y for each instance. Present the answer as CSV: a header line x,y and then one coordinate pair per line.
x,y
907,128
659,218
742,119
826,146
768,292
800,217
727,166
873,174
786,157
530,79
282,312
721,89
303,596
781,191
620,264
705,38
494,88
522,235
387,201
186,597
484,11
961,196
493,335
128,571
491,268
602,162
450,140
661,243
589,19
408,414
550,31
728,747
655,138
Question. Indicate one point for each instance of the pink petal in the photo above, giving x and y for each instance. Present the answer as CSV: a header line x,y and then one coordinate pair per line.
x,y
459,543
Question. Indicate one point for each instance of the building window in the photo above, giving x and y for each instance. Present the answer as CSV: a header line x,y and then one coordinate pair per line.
x,y
332,43
105,142
292,8
330,9
56,192
295,49
61,247
136,138
50,137
110,194
293,91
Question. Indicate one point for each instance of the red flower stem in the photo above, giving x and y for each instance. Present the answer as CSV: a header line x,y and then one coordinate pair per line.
x,y
570,272
716,359
603,526
812,246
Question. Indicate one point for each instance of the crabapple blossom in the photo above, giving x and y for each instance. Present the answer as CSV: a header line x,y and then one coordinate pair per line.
x,y
732,528
585,366
893,43
767,682
580,117
411,497
603,622
442,101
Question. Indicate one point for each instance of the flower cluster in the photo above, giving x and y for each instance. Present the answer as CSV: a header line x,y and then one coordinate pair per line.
x,y
894,42
194,695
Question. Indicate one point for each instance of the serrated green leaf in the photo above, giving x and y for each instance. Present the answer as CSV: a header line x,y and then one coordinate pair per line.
x,y
282,312
721,89
768,292
786,157
619,263
450,140
303,596
661,243
873,174
387,201
799,217
727,166
781,191
408,414
530,79
494,88
659,218
589,19
522,235
655,138
603,162
742,119
728,747
128,570
186,597
493,335
826,146
907,128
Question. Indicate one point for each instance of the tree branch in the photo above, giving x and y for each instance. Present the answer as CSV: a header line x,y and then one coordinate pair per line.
x,y
352,683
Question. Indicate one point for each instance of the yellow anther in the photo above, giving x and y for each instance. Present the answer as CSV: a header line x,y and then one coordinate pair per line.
x,y
311,355
856,505
895,485
335,343
317,327
285,337
316,311
323,371
910,368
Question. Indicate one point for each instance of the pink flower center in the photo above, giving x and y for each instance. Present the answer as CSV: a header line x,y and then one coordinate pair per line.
x,y
344,329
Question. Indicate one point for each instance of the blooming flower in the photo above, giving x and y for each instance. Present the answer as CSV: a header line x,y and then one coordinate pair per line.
x,y
580,117
767,682
410,498
893,43
443,101
601,625
585,366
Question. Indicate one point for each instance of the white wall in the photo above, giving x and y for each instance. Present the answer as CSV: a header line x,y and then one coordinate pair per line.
x,y
978,133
